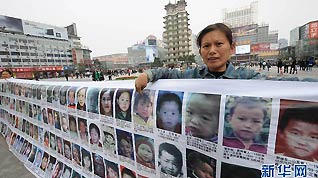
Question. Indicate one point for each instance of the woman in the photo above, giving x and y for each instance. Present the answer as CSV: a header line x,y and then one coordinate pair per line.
x,y
6,74
106,100
123,101
216,45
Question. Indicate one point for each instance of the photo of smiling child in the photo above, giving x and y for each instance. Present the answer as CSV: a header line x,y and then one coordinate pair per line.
x,y
297,134
109,142
246,123
169,111
81,99
143,108
145,152
202,116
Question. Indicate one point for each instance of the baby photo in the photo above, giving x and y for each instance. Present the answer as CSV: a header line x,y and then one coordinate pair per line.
x,y
169,111
202,116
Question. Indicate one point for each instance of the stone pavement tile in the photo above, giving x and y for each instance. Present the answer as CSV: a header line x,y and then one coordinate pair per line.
x,y
10,166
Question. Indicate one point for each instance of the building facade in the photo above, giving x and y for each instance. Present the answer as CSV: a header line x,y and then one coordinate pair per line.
x,y
241,16
307,44
30,48
177,34
114,61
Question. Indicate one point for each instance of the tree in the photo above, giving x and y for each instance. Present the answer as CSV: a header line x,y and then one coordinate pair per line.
x,y
157,63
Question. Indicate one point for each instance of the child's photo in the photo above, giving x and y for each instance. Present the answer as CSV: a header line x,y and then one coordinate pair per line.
x,y
82,129
109,142
99,167
73,126
44,162
86,160
49,167
125,144
145,152
92,100
57,121
169,111
66,172
76,154
202,116
200,165
246,124
64,120
81,99
50,116
59,143
63,92
112,170
123,104
38,158
52,141
106,102
170,160
56,96
58,170
67,150
49,94
127,173
143,108
94,134
297,133
71,103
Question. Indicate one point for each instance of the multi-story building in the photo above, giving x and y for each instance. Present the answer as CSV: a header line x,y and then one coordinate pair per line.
x,y
113,61
80,53
307,44
30,48
177,33
262,42
294,36
241,16
282,43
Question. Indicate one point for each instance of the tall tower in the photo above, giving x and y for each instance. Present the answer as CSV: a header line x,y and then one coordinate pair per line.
x,y
177,34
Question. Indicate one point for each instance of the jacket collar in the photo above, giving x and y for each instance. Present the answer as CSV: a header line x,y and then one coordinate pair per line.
x,y
205,73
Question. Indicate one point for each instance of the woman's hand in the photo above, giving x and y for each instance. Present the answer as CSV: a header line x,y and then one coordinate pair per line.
x,y
141,82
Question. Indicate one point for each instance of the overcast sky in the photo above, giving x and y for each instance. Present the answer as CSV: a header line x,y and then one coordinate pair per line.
x,y
108,27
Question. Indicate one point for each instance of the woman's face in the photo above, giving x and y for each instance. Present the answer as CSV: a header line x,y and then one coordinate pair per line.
x,y
81,97
216,50
5,75
106,102
124,101
145,153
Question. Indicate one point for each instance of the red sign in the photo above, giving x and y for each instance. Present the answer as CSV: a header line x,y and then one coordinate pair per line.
x,y
313,30
260,47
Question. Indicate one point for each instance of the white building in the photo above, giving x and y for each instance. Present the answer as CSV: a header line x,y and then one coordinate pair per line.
x,y
241,16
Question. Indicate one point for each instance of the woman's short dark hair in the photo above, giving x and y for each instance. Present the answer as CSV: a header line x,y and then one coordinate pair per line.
x,y
7,70
217,26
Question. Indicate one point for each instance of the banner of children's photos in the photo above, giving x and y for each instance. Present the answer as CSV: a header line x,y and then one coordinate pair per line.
x,y
175,128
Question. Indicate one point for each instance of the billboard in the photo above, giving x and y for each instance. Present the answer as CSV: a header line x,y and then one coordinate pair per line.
x,y
11,24
273,46
313,30
44,30
242,49
260,47
150,53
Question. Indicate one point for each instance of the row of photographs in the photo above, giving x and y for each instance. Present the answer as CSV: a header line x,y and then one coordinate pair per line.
x,y
79,162
246,119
